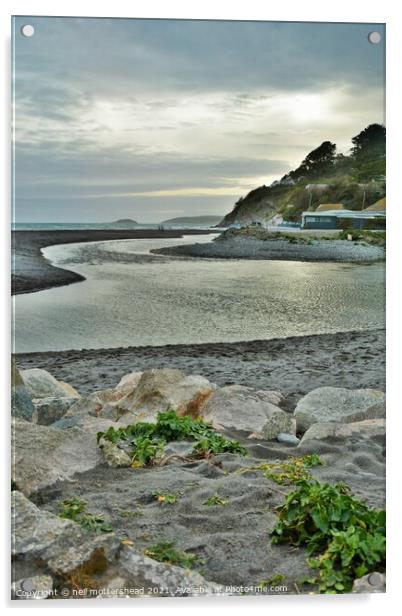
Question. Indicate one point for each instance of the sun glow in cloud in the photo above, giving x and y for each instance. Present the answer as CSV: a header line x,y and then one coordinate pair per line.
x,y
163,116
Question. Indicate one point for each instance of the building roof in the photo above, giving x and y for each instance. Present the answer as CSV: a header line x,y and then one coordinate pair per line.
x,y
378,206
324,207
346,213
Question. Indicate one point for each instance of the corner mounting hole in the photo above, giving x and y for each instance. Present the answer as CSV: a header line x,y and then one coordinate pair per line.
x,y
374,37
27,30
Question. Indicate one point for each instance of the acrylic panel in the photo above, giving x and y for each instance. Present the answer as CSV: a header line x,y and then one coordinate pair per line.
x,y
198,369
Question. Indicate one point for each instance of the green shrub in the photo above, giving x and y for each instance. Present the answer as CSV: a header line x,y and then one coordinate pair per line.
x,y
345,537
147,441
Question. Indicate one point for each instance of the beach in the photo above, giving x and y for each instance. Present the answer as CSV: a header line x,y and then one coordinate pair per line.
x,y
244,247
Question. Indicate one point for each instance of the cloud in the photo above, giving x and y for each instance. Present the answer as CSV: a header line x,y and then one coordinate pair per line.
x,y
160,110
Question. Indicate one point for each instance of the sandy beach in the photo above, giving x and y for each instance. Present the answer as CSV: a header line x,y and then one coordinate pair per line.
x,y
293,365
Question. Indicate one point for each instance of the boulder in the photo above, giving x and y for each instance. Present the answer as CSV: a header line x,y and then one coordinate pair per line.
x,y
249,410
368,428
86,423
114,456
129,382
49,410
288,439
47,542
21,404
141,572
43,455
41,384
372,582
336,404
161,390
106,395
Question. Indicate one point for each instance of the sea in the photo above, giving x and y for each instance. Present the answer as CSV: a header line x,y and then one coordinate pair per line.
x,y
131,297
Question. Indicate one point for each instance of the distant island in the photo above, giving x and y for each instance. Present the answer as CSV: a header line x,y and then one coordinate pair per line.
x,y
125,221
193,220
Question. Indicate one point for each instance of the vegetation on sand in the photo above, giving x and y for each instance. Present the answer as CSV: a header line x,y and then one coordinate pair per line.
x,y
147,441
166,553
345,537
75,509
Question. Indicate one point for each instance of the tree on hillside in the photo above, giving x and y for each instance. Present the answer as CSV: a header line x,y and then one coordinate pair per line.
x,y
318,161
369,142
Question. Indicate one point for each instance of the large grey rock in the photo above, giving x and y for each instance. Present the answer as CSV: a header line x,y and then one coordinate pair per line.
x,y
370,583
368,428
340,405
87,423
49,410
242,408
42,455
21,404
41,384
141,572
114,456
161,390
49,542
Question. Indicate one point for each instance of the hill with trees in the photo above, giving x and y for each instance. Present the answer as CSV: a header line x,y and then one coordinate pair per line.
x,y
356,180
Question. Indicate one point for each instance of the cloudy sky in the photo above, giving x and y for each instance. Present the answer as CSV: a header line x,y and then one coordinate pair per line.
x,y
155,119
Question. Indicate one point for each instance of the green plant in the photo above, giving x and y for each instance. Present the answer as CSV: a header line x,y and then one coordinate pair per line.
x,y
291,471
147,441
166,553
75,509
344,537
168,499
275,580
215,443
215,500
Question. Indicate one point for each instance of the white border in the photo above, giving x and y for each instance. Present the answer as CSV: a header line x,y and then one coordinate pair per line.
x,y
287,10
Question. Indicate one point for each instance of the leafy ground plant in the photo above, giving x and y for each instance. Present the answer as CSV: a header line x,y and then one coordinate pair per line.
x,y
215,500
75,509
290,471
167,553
345,537
146,441
166,499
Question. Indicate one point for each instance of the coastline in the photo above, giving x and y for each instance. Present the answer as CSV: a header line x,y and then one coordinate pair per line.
x,y
294,365
31,272
243,247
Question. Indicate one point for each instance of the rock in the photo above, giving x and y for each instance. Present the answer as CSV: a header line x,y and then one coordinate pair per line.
x,y
41,384
368,428
339,405
36,587
129,382
141,572
106,395
114,456
179,448
48,542
242,408
49,410
42,455
161,390
86,423
372,582
84,406
289,439
21,404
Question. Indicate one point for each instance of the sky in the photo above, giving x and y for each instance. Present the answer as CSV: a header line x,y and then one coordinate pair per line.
x,y
154,119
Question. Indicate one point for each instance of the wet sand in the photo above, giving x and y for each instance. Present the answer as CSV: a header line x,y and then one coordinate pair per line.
x,y
32,272
294,365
